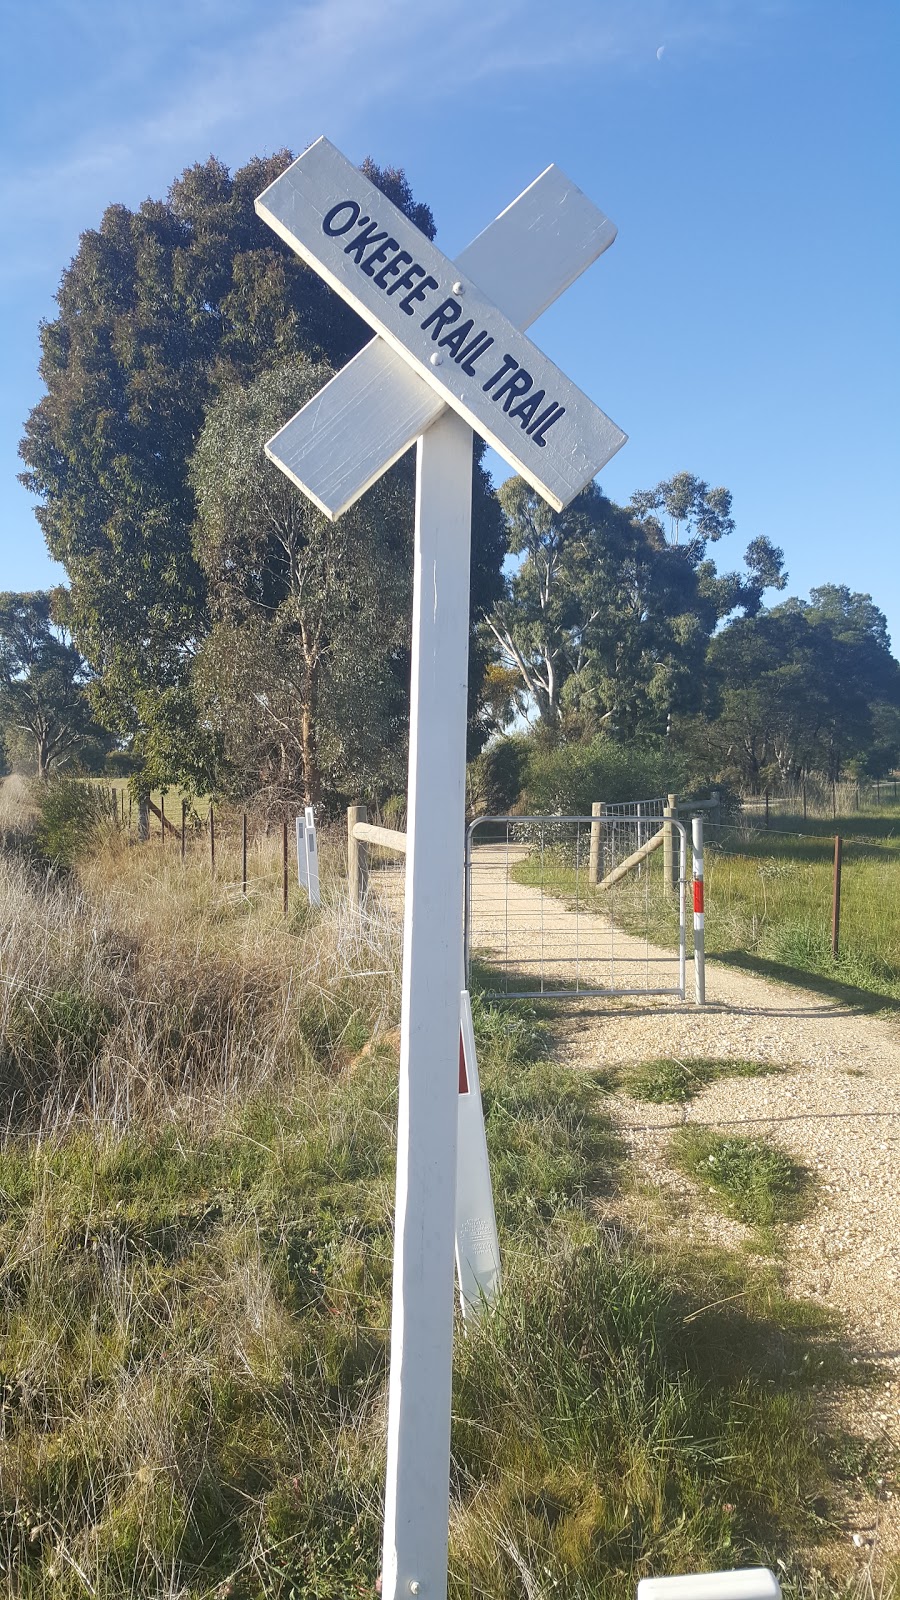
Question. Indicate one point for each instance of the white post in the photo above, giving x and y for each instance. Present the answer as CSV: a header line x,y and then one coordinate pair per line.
x,y
417,1499
312,859
302,875
699,915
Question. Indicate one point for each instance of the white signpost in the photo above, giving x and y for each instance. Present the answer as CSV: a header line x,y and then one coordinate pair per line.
x,y
308,856
449,358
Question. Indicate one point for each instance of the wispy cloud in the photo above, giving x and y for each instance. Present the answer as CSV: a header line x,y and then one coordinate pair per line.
x,y
146,89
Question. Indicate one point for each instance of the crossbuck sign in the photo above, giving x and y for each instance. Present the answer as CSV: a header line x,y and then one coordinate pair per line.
x,y
450,357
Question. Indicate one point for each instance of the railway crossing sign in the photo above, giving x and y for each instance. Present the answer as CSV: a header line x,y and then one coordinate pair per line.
x,y
449,356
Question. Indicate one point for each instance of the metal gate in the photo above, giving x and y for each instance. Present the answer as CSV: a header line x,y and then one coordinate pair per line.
x,y
566,906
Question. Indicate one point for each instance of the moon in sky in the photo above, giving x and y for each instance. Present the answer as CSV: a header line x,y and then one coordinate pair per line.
x,y
659,53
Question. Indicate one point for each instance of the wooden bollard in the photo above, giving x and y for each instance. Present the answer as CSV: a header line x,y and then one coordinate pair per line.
x,y
595,859
670,874
357,858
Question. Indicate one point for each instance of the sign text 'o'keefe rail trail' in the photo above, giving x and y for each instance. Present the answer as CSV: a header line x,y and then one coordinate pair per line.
x,y
450,356
442,322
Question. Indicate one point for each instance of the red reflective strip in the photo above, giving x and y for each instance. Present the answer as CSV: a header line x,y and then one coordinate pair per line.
x,y
698,894
463,1074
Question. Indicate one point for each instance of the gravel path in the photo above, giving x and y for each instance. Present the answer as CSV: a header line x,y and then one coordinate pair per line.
x,y
834,1106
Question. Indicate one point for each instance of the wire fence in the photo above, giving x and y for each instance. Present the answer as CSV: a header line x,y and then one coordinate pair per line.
x,y
802,899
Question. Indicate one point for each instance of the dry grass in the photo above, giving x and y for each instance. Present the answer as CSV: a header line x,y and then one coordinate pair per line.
x,y
195,1202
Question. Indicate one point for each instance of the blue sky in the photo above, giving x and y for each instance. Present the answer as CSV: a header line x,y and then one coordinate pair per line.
x,y
744,326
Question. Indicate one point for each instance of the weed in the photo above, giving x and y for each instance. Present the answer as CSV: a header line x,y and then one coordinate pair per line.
x,y
753,1180
668,1080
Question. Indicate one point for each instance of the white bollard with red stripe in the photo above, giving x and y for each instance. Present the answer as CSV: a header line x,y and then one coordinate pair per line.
x,y
699,919
477,1248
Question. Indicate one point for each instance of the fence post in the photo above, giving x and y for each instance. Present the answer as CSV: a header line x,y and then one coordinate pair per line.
x,y
143,824
244,855
284,867
183,828
715,815
162,816
767,808
836,898
670,876
595,859
357,859
212,840
699,915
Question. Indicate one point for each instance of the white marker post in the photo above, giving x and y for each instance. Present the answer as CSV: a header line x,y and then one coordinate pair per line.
x,y
302,873
447,359
312,858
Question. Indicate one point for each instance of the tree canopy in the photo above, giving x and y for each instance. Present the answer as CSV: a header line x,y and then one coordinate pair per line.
x,y
45,715
605,619
164,313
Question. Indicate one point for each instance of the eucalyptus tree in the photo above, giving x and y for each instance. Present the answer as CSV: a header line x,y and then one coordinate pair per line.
x,y
163,310
44,710
303,677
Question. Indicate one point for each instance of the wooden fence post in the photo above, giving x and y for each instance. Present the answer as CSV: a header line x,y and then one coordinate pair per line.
x,y
670,877
244,854
767,808
595,860
284,867
162,816
836,898
357,858
143,824
183,828
212,840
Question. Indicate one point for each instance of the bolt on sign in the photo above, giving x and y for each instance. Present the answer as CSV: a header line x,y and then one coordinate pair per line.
x,y
450,357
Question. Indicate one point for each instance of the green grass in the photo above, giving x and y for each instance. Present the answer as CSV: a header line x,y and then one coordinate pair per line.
x,y
769,902
669,1080
750,1179
195,1260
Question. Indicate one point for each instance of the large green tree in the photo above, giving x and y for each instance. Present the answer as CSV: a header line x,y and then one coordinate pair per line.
x,y
45,715
809,686
605,618
164,311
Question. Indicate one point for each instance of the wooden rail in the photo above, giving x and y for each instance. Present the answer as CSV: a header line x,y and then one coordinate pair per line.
x,y
634,860
360,834
388,838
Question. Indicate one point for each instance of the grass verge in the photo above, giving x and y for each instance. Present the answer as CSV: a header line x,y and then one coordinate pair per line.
x,y
195,1236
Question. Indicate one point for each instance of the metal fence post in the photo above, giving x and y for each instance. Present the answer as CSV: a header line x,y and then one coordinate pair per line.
x,y
595,859
836,897
284,867
244,854
699,926
670,876
212,839
357,858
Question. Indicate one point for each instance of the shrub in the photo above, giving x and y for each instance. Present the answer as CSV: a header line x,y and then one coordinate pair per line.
x,y
496,776
569,777
71,816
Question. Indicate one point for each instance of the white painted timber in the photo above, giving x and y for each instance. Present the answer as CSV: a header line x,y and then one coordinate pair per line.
x,y
324,208
312,858
302,874
418,1444
477,1245
375,408
745,1583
